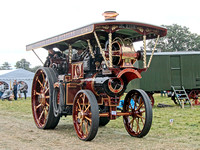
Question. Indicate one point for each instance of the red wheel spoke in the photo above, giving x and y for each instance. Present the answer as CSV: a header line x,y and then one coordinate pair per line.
x,y
140,106
140,116
87,108
43,76
88,119
140,99
45,114
131,122
83,98
36,107
142,120
86,127
80,126
79,106
40,83
47,104
41,114
46,90
37,93
138,126
45,84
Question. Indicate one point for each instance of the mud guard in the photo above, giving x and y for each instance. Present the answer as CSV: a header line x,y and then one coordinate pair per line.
x,y
129,74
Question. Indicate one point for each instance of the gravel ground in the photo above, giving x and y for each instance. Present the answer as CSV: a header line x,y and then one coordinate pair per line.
x,y
18,131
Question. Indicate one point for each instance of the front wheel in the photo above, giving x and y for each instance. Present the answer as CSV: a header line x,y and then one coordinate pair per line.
x,y
85,115
137,103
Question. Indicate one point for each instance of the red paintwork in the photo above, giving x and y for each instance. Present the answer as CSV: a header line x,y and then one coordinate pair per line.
x,y
130,74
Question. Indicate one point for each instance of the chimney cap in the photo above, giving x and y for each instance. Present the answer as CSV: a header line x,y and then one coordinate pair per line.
x,y
110,15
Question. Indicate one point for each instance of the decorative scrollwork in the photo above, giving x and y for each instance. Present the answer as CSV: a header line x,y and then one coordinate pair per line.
x,y
148,30
114,27
106,27
140,29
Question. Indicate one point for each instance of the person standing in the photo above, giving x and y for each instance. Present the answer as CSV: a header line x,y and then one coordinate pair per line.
x,y
18,89
1,89
24,88
15,89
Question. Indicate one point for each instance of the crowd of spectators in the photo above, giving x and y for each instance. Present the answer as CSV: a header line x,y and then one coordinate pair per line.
x,y
14,92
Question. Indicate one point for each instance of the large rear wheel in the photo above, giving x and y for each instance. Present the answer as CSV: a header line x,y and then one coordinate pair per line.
x,y
42,98
138,123
85,115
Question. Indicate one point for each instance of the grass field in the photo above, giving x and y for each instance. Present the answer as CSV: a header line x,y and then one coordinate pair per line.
x,y
184,133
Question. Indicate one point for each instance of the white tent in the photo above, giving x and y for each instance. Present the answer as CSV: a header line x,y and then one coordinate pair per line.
x,y
8,76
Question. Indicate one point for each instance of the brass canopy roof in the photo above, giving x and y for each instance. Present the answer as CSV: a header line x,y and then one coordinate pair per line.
x,y
77,38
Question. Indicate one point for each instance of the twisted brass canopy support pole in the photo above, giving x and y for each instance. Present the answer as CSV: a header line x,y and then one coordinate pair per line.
x,y
70,54
144,57
102,52
90,48
110,49
153,51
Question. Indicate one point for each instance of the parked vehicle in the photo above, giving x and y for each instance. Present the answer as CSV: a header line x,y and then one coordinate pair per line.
x,y
172,71
89,73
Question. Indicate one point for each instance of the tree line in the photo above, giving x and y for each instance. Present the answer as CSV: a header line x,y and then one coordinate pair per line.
x,y
23,63
178,39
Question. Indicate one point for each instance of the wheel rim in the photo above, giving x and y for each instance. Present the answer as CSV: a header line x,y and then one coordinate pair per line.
x,y
85,116
40,98
194,97
139,122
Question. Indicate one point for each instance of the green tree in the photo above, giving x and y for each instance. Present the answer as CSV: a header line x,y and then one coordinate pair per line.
x,y
5,66
178,39
23,64
34,68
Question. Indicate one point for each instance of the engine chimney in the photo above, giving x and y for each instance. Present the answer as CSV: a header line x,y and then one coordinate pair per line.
x,y
110,15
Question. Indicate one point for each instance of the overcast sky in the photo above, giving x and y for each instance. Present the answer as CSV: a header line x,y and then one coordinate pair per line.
x,y
24,22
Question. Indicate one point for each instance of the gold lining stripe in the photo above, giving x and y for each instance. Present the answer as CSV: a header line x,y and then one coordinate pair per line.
x,y
62,37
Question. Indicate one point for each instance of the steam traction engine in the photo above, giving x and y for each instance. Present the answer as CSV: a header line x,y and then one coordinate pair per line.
x,y
89,73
